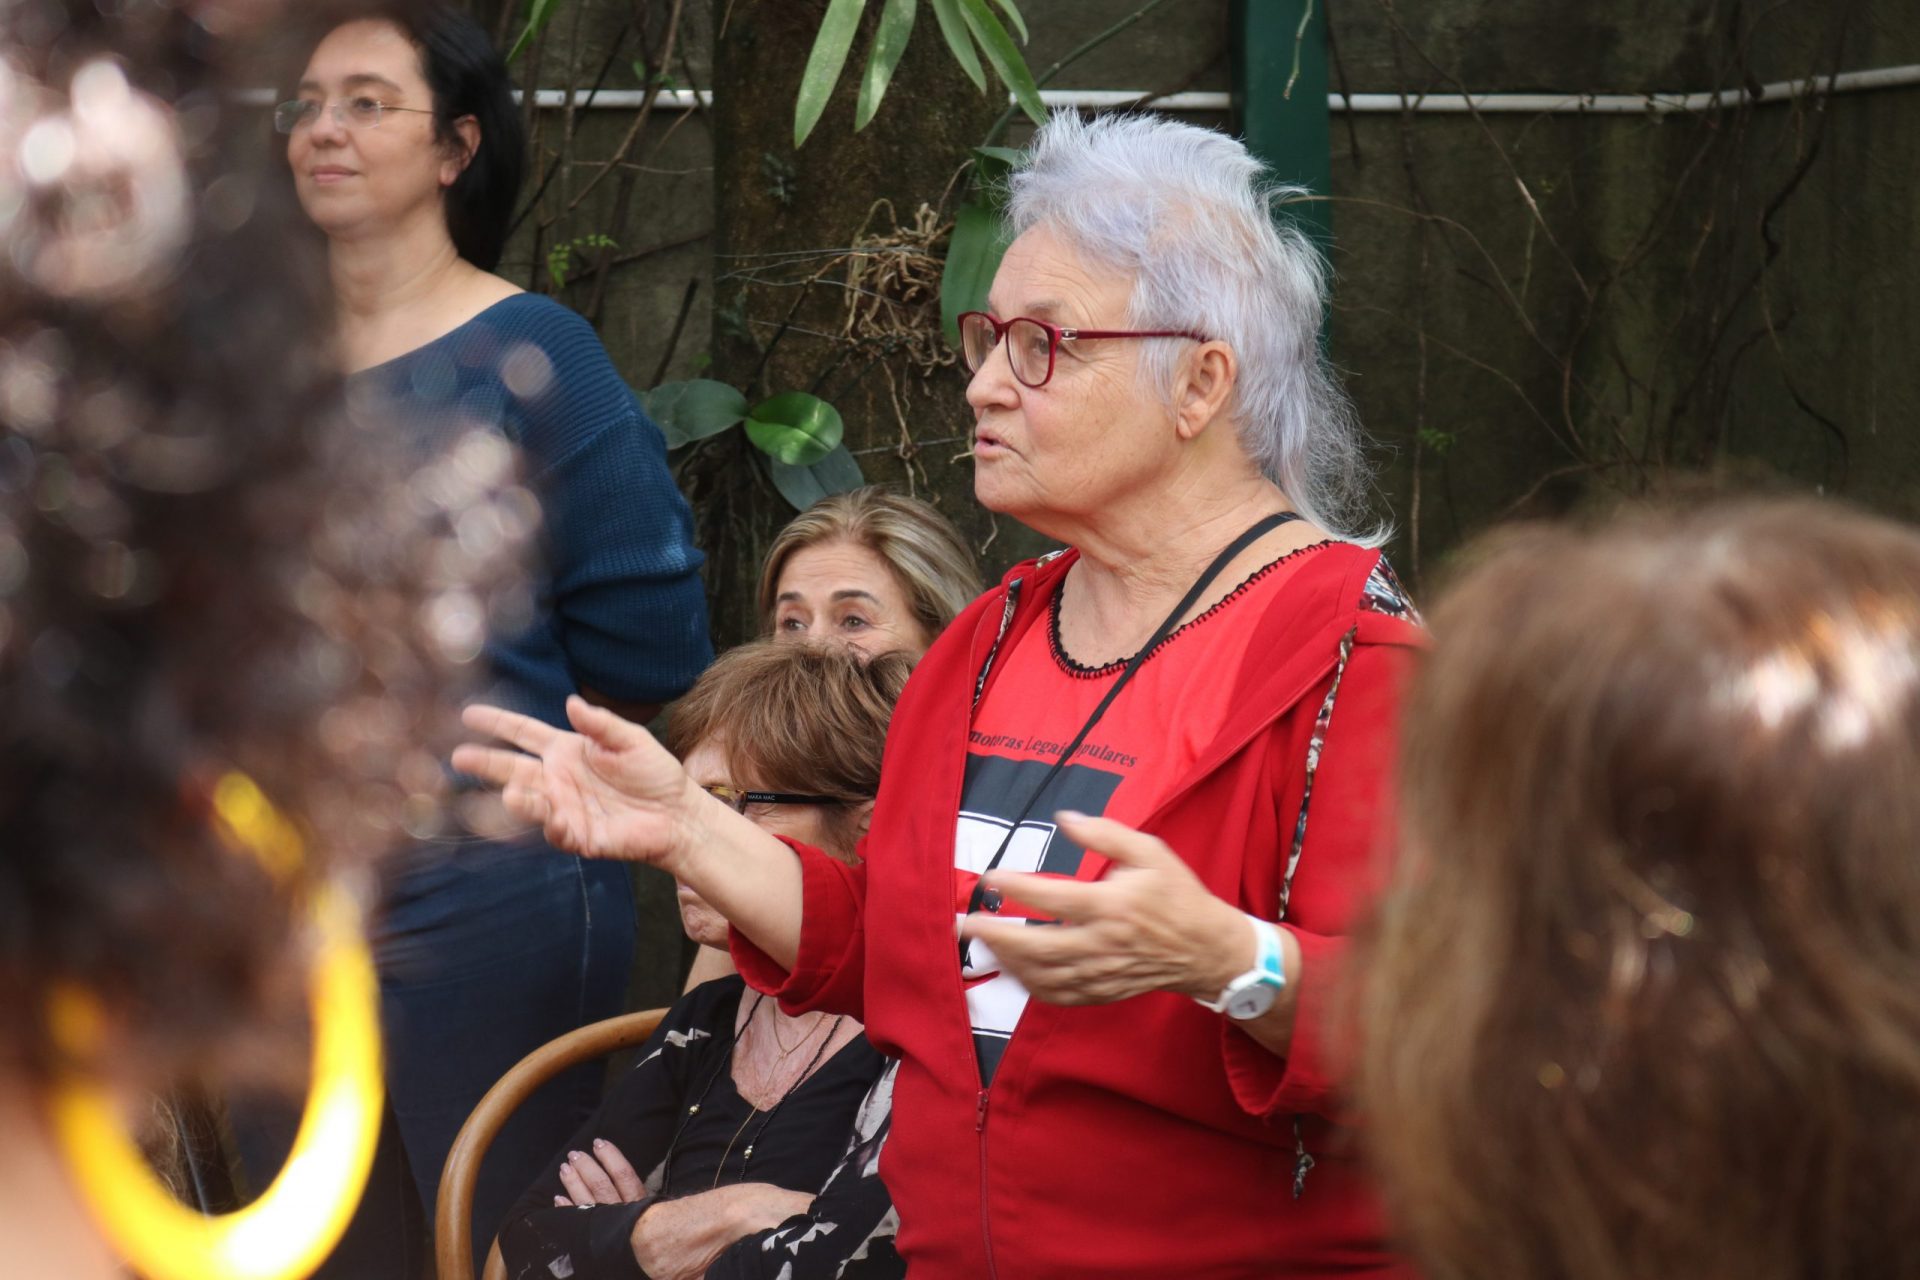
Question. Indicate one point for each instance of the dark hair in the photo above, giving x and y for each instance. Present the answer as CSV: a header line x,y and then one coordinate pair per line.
x,y
1643,1000
809,718
467,77
206,565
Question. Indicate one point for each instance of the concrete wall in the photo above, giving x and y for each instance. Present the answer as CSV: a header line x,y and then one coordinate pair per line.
x,y
1726,290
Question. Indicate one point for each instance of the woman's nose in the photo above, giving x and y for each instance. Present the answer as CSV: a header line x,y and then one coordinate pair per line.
x,y
992,384
327,124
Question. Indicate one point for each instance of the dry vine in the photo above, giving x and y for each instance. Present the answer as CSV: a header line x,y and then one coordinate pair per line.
x,y
1625,416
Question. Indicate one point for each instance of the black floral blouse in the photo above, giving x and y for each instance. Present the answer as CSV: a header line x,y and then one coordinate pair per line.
x,y
681,1123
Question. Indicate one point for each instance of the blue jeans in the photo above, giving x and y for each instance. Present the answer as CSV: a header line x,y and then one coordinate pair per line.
x,y
484,956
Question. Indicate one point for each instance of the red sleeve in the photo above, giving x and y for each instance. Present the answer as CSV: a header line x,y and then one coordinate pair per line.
x,y
830,970
1349,827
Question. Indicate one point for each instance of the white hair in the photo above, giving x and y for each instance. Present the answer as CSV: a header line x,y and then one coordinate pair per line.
x,y
1187,213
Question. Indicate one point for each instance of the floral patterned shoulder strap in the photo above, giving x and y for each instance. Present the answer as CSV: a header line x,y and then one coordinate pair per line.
x,y
1382,594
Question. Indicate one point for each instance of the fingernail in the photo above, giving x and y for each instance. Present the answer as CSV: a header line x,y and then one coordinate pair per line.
x,y
599,1143
576,1155
1070,815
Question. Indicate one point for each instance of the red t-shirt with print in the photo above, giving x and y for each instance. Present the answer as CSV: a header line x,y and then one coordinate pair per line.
x,y
1151,735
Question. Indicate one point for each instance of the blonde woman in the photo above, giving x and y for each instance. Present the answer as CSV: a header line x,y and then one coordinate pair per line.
x,y
869,568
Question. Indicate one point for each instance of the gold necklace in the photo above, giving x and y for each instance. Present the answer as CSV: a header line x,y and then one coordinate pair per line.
x,y
718,1169
747,1155
774,1027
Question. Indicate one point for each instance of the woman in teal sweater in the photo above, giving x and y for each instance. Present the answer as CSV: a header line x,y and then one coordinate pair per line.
x,y
406,151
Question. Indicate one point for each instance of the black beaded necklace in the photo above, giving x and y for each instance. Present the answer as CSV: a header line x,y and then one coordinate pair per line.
x,y
724,1063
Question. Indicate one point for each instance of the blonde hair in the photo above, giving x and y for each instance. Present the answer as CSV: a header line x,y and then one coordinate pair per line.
x,y
921,547
806,718
1646,997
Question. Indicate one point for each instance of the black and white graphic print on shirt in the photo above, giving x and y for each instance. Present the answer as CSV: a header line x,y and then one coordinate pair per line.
x,y
996,789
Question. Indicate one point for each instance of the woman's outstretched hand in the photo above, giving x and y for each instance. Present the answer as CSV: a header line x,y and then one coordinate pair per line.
x,y
608,791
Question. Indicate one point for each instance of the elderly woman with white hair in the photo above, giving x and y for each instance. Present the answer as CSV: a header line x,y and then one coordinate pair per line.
x,y
1168,743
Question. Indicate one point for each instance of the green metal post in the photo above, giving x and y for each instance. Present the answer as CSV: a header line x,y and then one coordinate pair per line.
x,y
1289,130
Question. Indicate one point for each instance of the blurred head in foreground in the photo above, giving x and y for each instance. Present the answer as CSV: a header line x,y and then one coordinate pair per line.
x,y
1646,1000
205,567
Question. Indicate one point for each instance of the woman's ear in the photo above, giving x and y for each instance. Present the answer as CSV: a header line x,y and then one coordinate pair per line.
x,y
1205,383
862,819
467,129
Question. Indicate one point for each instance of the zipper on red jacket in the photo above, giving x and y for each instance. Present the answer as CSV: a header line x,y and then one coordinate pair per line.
x,y
1302,1162
986,1226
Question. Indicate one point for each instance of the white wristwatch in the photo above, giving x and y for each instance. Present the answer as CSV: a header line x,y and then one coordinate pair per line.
x,y
1253,992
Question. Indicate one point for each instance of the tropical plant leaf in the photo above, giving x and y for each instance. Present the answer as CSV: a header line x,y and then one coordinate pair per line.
x,y
538,16
1005,57
838,472
795,428
896,28
993,166
824,64
953,28
1005,157
1013,12
974,251
694,410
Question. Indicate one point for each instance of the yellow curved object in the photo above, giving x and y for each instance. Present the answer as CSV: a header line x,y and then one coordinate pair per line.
x,y
291,1228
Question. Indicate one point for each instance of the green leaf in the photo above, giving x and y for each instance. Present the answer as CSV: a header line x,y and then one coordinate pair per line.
x,y
978,243
953,28
823,65
838,472
1006,157
795,428
1019,23
1006,59
538,16
896,28
694,410
993,166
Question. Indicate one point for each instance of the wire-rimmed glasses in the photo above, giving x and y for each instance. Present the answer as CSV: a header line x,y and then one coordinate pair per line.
x,y
357,112
1033,344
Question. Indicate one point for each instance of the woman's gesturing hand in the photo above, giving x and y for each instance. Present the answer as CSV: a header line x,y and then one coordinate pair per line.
x,y
1149,925
608,791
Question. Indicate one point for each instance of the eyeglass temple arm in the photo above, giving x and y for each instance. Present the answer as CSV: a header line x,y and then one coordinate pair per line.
x,y
1132,333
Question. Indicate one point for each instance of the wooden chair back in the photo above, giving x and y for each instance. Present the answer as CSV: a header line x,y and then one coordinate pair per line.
x,y
453,1218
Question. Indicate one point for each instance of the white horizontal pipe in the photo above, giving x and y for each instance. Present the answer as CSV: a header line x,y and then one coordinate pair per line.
x,y
1439,103
1626,103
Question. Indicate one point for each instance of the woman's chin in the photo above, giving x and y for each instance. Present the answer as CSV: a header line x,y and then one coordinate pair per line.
x,y
995,488
334,212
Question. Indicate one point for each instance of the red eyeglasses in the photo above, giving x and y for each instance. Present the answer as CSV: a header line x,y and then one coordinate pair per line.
x,y
1033,343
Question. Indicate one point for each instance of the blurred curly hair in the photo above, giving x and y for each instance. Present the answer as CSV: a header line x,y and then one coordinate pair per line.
x,y
205,564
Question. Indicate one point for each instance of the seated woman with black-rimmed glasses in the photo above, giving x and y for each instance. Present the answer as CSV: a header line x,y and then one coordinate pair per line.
x,y
743,1140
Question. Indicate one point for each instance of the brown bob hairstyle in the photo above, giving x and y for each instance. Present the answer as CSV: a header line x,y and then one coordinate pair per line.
x,y
1645,999
805,718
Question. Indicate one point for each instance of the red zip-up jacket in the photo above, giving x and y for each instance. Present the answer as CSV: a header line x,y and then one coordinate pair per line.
x,y
1147,1137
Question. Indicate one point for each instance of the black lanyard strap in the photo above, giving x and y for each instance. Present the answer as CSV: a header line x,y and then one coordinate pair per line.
x,y
978,898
